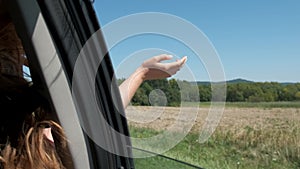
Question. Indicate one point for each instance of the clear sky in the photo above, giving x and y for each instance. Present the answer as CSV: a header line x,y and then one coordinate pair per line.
x,y
256,40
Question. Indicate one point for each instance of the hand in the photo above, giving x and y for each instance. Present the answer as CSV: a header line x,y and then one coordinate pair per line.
x,y
150,69
154,69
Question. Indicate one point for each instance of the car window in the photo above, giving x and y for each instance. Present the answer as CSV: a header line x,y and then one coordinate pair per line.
x,y
244,109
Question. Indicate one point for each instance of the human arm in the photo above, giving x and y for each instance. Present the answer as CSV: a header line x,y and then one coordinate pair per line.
x,y
152,68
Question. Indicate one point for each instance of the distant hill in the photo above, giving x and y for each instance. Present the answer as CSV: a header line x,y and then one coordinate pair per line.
x,y
239,80
228,82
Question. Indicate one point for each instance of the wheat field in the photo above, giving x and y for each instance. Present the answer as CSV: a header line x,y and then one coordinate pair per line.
x,y
245,137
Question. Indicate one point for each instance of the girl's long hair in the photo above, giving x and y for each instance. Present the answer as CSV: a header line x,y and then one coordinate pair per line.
x,y
35,150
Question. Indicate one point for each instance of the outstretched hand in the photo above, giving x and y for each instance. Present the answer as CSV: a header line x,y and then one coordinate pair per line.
x,y
152,68
155,69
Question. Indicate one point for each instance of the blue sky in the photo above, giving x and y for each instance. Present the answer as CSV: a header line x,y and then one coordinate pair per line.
x,y
257,40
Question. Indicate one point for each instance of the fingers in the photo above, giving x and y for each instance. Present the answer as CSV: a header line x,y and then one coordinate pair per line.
x,y
184,59
163,57
152,62
172,67
178,64
159,70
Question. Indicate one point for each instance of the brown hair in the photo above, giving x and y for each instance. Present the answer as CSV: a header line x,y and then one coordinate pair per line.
x,y
24,145
34,149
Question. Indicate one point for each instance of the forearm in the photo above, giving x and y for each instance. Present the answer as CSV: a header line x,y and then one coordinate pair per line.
x,y
130,85
149,70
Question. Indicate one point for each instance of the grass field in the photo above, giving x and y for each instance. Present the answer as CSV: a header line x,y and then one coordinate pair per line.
x,y
246,138
295,104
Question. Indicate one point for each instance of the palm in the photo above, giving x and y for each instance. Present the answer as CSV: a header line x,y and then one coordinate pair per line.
x,y
158,70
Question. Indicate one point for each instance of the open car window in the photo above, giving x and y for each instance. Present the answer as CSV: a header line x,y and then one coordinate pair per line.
x,y
53,34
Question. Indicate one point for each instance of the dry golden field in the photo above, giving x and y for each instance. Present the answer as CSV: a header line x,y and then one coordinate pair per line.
x,y
247,138
160,118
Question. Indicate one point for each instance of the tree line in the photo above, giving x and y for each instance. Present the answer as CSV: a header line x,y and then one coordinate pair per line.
x,y
171,92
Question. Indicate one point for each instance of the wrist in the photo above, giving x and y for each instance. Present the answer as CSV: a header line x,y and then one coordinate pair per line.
x,y
141,72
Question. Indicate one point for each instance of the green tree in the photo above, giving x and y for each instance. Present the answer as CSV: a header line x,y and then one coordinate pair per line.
x,y
234,94
173,93
140,98
288,93
205,93
297,95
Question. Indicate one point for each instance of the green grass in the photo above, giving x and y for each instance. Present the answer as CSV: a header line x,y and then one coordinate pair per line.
x,y
153,162
246,148
264,104
158,163
249,104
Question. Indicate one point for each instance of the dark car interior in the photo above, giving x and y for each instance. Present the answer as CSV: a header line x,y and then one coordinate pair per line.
x,y
53,33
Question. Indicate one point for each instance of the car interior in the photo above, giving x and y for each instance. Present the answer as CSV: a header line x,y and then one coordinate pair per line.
x,y
52,33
